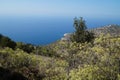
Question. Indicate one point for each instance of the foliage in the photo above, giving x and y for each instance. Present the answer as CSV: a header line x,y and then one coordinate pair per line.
x,y
25,47
98,61
6,74
6,42
81,34
32,66
45,51
19,61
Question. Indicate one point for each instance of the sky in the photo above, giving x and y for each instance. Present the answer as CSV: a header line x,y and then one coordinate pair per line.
x,y
49,16
68,8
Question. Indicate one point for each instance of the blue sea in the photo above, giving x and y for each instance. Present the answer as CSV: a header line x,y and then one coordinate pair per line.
x,y
44,30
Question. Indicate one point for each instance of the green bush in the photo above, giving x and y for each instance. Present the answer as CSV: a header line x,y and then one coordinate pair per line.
x,y
81,35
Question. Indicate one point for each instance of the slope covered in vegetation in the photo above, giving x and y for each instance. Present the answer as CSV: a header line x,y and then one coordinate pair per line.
x,y
97,59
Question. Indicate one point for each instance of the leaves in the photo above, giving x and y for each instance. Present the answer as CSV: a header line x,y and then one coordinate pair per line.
x,y
97,60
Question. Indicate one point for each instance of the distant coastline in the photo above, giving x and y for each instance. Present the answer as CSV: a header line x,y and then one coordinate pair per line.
x,y
41,31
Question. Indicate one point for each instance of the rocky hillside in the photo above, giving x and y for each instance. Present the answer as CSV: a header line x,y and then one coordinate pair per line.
x,y
113,30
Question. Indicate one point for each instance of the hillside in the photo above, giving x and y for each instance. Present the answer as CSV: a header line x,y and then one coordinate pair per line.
x,y
113,30
64,60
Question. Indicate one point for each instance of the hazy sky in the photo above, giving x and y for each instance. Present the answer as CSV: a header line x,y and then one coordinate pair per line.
x,y
88,8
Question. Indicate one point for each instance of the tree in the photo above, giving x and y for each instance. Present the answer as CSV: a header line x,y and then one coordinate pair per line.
x,y
81,34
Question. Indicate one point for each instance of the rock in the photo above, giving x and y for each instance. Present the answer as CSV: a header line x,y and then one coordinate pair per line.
x,y
66,37
113,30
